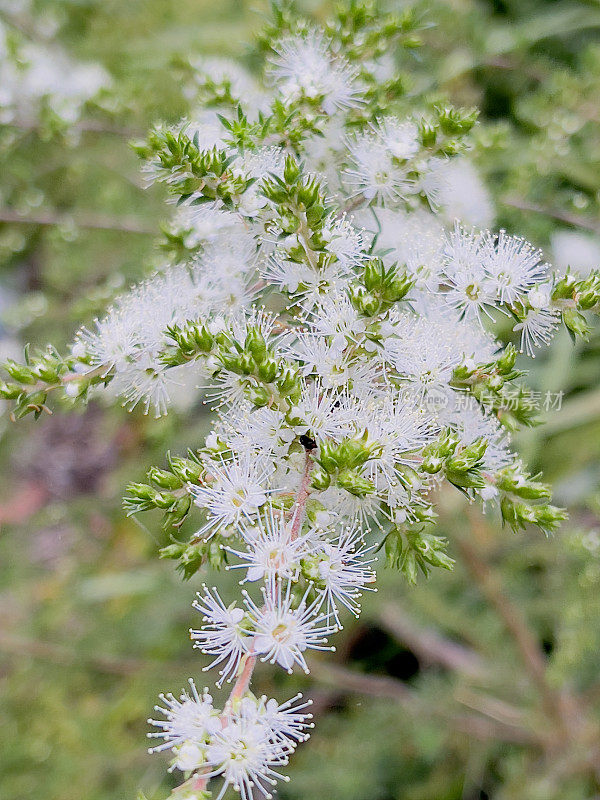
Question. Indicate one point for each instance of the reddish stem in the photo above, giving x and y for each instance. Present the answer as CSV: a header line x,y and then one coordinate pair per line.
x,y
199,782
301,498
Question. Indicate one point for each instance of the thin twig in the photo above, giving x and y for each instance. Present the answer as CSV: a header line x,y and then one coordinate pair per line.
x,y
430,646
577,220
383,686
515,623
52,218
83,126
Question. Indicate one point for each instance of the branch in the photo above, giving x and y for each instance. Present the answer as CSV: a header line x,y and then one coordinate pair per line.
x,y
430,646
577,220
514,622
361,683
83,126
384,686
123,224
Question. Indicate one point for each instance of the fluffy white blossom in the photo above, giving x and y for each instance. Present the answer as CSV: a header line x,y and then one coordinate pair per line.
x,y
373,171
454,187
233,491
223,634
305,67
271,550
188,719
575,249
284,629
342,569
34,73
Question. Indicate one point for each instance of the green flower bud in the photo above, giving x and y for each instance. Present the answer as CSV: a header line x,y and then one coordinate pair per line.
x,y
267,371
353,452
247,363
428,134
141,491
398,288
328,457
291,171
186,469
575,322
505,364
164,479
468,457
369,305
374,274
320,479
20,372
231,362
10,391
564,288
354,483
255,343
587,299
258,395
472,479
164,500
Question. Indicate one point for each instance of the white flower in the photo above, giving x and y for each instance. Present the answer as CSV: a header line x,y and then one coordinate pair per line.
x,y
575,249
347,243
189,719
206,224
335,316
363,510
244,754
229,76
513,266
287,722
471,289
223,635
422,353
343,571
234,491
397,432
304,279
401,138
373,171
454,187
257,164
305,67
537,328
249,431
284,632
331,363
271,552
414,240
323,413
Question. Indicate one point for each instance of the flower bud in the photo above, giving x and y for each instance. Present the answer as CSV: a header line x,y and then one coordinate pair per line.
x,y
575,322
267,371
354,483
164,479
255,343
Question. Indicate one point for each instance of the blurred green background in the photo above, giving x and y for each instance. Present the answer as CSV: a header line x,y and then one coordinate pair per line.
x,y
478,684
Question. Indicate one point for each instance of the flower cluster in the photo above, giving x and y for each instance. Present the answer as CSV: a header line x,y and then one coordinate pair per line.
x,y
245,745
37,76
327,291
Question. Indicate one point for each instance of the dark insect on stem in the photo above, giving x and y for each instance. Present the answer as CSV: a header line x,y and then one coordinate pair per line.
x,y
307,442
